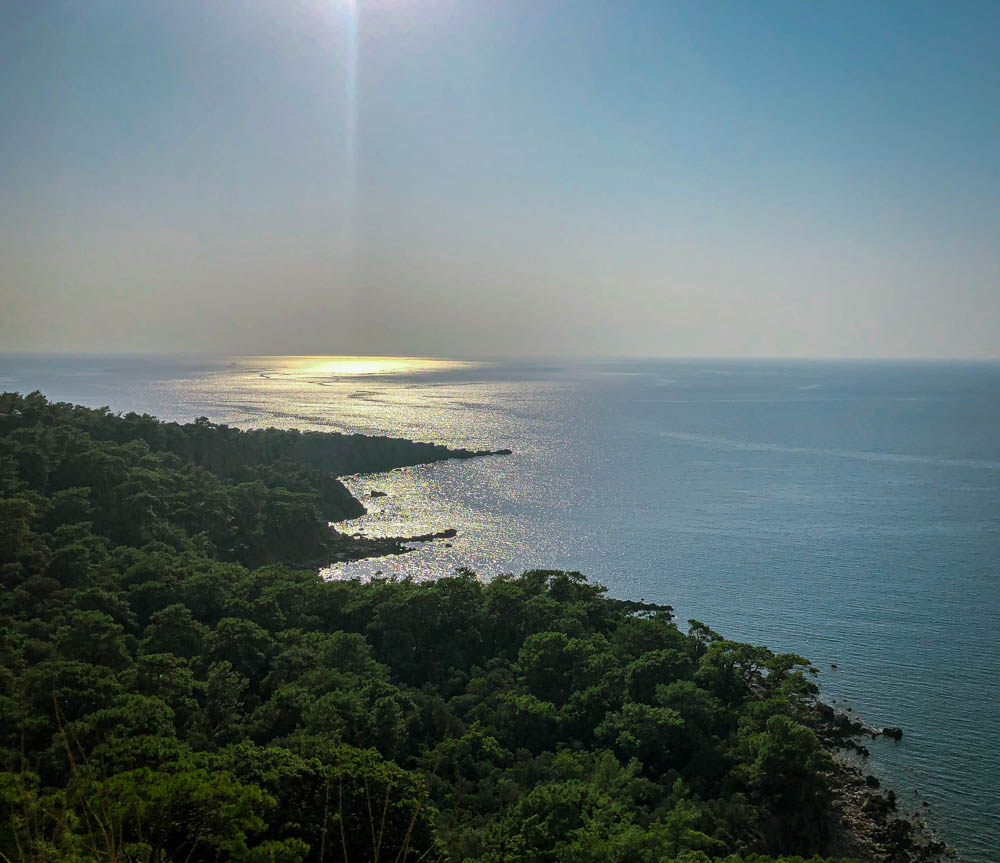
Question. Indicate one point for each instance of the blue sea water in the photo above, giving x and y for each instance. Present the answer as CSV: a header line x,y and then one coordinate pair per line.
x,y
846,511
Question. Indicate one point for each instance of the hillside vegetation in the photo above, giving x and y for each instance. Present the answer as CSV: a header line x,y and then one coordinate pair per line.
x,y
170,690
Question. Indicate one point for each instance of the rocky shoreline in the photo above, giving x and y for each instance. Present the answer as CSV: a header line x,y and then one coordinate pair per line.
x,y
865,822
360,547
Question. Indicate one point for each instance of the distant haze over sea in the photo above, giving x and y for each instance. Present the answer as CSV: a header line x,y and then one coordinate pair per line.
x,y
847,511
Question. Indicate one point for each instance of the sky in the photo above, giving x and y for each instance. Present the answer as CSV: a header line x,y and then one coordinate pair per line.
x,y
492,178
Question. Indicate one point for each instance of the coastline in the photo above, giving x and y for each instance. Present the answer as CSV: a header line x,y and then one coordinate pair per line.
x,y
348,548
865,823
864,820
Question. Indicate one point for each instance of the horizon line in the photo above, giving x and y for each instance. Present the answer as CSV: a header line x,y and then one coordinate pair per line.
x,y
500,358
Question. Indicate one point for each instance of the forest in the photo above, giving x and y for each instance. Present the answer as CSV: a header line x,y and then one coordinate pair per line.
x,y
176,688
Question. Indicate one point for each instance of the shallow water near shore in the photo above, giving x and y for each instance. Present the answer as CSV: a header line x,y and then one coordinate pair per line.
x,y
846,511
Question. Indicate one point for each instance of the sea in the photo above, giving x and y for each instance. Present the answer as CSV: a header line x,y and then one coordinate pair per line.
x,y
846,511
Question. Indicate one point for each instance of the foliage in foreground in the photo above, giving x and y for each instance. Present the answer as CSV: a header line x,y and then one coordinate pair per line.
x,y
161,701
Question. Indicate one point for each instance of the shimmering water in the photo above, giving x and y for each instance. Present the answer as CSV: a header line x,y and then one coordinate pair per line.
x,y
847,511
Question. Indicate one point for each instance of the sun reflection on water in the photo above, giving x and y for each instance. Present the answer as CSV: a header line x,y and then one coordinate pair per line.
x,y
356,366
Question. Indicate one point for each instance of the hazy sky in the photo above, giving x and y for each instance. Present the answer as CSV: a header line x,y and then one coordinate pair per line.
x,y
497,177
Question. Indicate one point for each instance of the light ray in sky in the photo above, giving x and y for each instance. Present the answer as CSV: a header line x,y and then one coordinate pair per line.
x,y
351,97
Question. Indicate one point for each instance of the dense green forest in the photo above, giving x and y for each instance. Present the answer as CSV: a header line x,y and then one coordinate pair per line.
x,y
171,690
